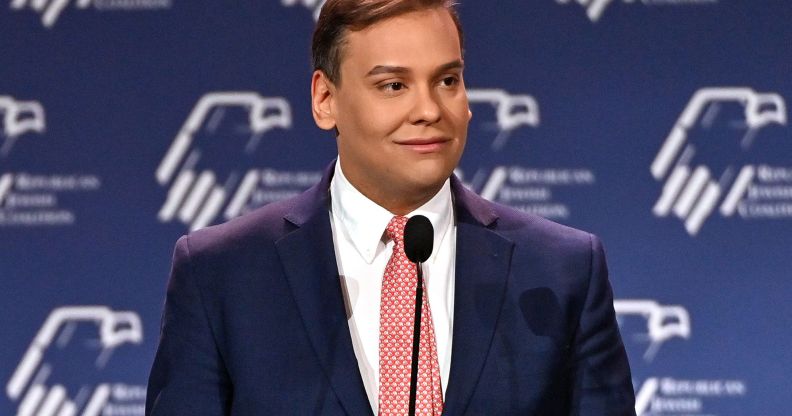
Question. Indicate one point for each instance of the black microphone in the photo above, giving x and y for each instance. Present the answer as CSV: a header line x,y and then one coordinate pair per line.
x,y
418,241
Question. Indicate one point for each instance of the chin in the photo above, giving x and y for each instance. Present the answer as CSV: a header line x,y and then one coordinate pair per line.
x,y
430,178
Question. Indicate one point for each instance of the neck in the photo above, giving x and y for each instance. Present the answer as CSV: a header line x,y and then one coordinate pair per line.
x,y
399,203
398,199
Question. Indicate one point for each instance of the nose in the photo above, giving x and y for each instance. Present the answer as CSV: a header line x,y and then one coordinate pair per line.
x,y
426,107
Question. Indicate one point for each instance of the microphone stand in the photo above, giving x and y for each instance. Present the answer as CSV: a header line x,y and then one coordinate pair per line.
x,y
418,234
416,339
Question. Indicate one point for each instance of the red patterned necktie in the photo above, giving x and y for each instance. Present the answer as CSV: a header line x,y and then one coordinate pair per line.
x,y
397,321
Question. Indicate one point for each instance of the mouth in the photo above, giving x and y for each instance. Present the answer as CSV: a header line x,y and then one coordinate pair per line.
x,y
425,144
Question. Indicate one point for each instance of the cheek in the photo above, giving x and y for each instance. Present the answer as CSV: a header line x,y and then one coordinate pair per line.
x,y
461,116
373,119
380,119
458,108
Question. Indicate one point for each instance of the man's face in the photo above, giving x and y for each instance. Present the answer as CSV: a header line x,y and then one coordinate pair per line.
x,y
401,108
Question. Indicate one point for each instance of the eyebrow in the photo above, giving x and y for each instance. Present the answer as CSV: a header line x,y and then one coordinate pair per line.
x,y
391,69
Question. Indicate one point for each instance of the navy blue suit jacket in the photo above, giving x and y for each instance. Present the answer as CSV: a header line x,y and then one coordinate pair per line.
x,y
255,324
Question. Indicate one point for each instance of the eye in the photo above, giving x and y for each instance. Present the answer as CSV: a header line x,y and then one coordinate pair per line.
x,y
449,81
392,86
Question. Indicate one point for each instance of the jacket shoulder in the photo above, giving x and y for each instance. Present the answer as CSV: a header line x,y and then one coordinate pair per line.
x,y
259,227
521,228
532,230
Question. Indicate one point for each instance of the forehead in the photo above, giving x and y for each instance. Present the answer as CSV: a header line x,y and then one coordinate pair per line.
x,y
416,40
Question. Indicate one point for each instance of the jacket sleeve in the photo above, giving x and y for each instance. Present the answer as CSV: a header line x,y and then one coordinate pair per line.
x,y
601,373
188,376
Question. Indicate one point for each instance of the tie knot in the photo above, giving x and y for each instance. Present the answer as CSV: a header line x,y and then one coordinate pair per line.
x,y
395,230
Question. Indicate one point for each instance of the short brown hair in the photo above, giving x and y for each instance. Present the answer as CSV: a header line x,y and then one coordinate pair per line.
x,y
339,16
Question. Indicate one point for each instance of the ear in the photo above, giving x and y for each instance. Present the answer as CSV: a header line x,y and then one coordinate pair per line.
x,y
322,95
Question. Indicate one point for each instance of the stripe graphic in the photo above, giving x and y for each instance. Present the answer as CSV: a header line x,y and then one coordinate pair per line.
x,y
738,190
691,192
703,208
644,397
98,400
210,209
671,190
197,194
31,401
68,409
242,194
53,400
176,195
6,182
495,183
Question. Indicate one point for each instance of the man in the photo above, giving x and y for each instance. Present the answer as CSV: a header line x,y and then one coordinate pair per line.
x,y
305,306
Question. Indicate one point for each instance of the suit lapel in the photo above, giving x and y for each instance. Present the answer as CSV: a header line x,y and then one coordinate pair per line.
x,y
308,259
482,265
483,259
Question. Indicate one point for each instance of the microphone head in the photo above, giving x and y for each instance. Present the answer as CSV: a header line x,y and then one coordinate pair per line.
x,y
418,239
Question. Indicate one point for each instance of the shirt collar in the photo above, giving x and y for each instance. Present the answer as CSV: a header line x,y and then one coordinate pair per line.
x,y
364,222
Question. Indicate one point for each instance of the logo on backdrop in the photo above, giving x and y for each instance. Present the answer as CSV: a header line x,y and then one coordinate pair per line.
x,y
51,10
702,174
496,174
65,369
596,8
660,396
645,321
314,5
19,119
511,111
31,199
212,173
663,322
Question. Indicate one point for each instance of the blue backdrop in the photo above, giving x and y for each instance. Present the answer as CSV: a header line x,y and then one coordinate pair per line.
x,y
660,125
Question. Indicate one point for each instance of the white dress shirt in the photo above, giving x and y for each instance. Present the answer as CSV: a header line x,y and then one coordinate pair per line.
x,y
362,252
